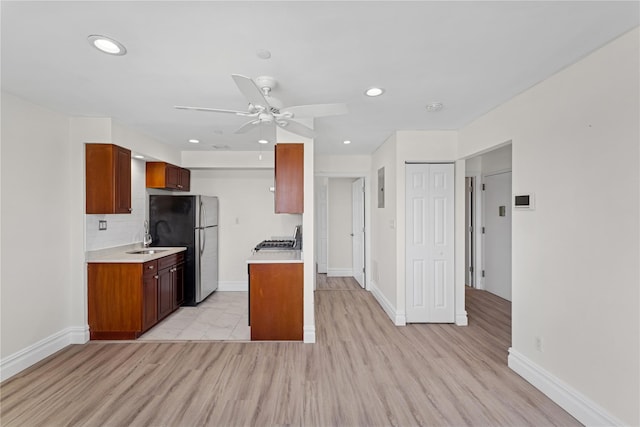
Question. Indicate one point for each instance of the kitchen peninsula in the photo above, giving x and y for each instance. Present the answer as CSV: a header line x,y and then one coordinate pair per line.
x,y
276,295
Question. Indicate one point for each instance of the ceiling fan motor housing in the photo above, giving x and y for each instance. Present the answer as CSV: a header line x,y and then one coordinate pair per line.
x,y
266,83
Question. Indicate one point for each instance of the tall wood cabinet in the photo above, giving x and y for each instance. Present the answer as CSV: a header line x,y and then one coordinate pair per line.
x,y
107,179
166,176
289,178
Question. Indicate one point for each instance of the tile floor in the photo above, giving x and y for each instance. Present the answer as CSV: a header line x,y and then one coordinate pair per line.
x,y
221,317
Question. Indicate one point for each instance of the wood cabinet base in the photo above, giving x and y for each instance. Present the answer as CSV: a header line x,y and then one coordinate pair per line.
x,y
275,302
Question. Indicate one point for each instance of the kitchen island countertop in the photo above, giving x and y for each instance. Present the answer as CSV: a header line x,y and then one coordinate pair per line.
x,y
275,257
119,254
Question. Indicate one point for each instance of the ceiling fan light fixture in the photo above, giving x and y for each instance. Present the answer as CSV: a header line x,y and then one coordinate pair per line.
x,y
107,45
374,91
434,107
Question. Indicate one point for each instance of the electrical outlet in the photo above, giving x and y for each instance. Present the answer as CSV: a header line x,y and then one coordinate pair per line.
x,y
102,225
539,344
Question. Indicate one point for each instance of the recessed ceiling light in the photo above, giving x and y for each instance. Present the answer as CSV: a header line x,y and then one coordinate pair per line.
x,y
346,142
107,45
138,156
374,91
194,141
263,141
434,107
263,54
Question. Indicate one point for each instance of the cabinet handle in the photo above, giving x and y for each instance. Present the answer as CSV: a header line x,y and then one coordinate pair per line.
x,y
156,276
150,267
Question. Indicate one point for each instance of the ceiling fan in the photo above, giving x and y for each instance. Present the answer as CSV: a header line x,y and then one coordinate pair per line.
x,y
265,111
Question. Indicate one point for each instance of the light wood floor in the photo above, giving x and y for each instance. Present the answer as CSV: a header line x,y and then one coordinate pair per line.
x,y
363,371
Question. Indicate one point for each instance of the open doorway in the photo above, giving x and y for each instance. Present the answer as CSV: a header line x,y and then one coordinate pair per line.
x,y
341,228
488,221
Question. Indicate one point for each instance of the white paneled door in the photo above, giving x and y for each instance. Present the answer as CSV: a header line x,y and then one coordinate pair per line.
x,y
429,243
497,234
357,234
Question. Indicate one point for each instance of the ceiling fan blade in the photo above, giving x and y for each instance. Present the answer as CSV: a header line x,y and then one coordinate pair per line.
x,y
250,90
297,128
214,110
248,126
317,110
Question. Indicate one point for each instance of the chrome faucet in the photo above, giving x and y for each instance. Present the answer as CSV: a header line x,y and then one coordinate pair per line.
x,y
147,237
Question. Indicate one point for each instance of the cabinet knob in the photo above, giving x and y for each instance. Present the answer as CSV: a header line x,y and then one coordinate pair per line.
x,y
151,267
156,276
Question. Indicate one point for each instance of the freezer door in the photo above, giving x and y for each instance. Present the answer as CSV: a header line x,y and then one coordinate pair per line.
x,y
208,211
206,262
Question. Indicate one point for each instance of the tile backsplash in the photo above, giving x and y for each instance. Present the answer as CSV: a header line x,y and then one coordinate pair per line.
x,y
122,229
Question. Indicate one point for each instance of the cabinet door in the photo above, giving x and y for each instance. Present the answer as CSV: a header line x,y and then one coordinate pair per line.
x,y
289,178
165,292
185,179
172,177
149,300
123,180
178,285
107,179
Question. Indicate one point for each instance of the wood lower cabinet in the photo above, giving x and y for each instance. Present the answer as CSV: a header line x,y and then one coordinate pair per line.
x,y
149,296
178,285
127,299
276,301
166,176
108,179
289,178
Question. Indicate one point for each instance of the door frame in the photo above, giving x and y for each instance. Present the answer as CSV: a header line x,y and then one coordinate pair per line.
x,y
477,224
367,216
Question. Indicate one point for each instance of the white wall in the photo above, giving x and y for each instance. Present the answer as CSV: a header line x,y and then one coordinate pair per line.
x,y
575,257
246,217
383,231
36,228
340,207
328,165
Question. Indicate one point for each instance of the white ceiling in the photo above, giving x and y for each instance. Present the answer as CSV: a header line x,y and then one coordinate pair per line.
x,y
471,56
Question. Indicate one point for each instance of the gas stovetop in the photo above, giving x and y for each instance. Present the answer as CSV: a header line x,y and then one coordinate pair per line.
x,y
276,244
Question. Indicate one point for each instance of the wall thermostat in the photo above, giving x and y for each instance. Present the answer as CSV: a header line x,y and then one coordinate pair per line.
x,y
523,201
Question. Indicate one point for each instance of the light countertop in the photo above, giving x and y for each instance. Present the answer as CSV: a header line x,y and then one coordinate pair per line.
x,y
119,254
271,256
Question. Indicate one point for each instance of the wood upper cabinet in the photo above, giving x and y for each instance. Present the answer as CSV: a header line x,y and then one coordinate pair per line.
x,y
166,176
107,179
289,178
127,299
276,301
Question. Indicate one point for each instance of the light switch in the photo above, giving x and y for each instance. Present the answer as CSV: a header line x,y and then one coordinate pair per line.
x,y
502,210
102,225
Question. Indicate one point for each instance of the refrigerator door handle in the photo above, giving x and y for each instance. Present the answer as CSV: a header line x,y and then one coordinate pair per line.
x,y
203,216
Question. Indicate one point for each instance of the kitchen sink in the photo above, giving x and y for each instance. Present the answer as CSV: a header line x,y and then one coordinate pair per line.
x,y
146,251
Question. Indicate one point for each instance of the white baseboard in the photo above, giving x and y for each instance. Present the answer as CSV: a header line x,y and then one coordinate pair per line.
x,y
462,319
583,409
398,317
233,286
309,334
339,272
21,360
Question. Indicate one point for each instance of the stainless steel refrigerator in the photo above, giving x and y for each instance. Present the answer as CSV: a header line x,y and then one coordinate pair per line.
x,y
190,221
